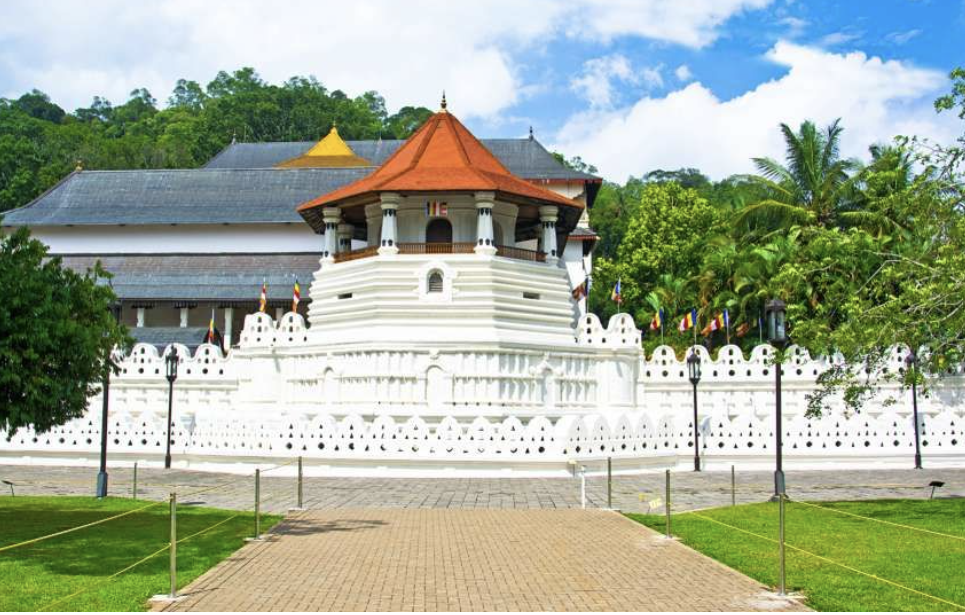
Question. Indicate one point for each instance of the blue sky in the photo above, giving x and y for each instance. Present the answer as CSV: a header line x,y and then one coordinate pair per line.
x,y
629,85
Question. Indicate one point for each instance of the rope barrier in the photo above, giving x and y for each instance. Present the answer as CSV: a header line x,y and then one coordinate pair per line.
x,y
281,465
831,561
901,525
105,580
79,527
140,561
214,488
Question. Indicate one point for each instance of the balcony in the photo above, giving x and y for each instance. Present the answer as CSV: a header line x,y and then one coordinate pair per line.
x,y
443,248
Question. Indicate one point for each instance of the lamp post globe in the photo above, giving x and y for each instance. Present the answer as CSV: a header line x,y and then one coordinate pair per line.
x,y
775,315
171,364
115,311
693,371
911,361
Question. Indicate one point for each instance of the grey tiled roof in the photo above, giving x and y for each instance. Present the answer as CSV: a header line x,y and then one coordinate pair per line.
x,y
582,231
185,196
525,158
203,277
192,337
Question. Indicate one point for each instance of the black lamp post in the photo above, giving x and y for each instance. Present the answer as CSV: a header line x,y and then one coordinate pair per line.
x,y
912,362
775,313
172,374
115,309
693,369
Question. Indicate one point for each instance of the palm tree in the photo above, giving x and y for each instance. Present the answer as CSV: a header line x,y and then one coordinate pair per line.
x,y
813,187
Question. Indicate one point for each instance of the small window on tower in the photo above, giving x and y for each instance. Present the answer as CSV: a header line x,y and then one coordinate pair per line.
x,y
435,282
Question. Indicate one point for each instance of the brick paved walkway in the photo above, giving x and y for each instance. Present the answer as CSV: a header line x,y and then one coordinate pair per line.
x,y
471,560
630,493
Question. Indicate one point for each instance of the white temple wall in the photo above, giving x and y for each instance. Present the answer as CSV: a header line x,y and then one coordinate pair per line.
x,y
472,411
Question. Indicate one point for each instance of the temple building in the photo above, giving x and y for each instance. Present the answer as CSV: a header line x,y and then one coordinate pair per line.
x,y
183,244
440,332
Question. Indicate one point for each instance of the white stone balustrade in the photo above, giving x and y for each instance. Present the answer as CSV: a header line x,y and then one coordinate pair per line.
x,y
472,410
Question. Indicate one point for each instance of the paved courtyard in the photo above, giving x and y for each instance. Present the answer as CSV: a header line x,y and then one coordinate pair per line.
x,y
471,560
630,493
474,544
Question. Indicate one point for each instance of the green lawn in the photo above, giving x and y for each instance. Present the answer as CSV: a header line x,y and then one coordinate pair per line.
x,y
37,575
928,563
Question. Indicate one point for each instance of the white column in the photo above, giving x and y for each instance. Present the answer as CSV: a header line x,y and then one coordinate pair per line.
x,y
548,217
484,223
140,317
332,216
184,317
389,243
229,313
345,232
279,312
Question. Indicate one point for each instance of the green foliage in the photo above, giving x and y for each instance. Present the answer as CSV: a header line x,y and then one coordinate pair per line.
x,y
663,237
925,562
40,144
56,336
46,572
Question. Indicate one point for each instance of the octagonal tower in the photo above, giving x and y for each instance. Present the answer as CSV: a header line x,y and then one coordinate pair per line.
x,y
442,246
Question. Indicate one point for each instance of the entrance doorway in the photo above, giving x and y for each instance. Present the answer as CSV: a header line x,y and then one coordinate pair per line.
x,y
439,231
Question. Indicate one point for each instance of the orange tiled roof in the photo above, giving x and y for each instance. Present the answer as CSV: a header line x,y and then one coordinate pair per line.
x,y
442,156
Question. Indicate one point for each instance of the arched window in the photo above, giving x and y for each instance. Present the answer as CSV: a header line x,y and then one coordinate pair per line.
x,y
435,282
439,230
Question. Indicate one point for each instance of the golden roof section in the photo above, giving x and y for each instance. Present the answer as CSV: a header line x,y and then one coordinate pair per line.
x,y
331,151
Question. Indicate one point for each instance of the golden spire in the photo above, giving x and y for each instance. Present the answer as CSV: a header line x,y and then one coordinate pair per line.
x,y
443,104
330,151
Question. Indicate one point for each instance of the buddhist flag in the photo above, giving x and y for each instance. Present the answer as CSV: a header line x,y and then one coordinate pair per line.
x,y
688,321
296,296
616,294
435,208
657,321
211,332
721,321
263,301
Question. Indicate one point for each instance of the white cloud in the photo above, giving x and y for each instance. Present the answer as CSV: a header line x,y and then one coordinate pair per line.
x,y
691,127
595,82
693,23
795,26
683,73
408,51
598,80
838,38
652,76
900,38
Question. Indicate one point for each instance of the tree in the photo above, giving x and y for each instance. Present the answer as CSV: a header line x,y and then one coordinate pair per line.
x,y
37,104
811,188
666,235
56,336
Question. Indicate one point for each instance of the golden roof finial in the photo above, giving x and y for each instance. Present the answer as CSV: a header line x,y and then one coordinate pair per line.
x,y
80,165
443,104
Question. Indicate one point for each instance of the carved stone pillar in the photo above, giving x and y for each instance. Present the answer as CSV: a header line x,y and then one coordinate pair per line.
x,y
389,242
345,237
332,217
484,223
548,217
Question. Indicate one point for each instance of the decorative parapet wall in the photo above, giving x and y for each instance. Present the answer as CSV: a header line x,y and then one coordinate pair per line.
x,y
490,411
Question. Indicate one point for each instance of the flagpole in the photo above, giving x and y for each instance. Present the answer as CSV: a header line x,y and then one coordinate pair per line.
x,y
661,326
